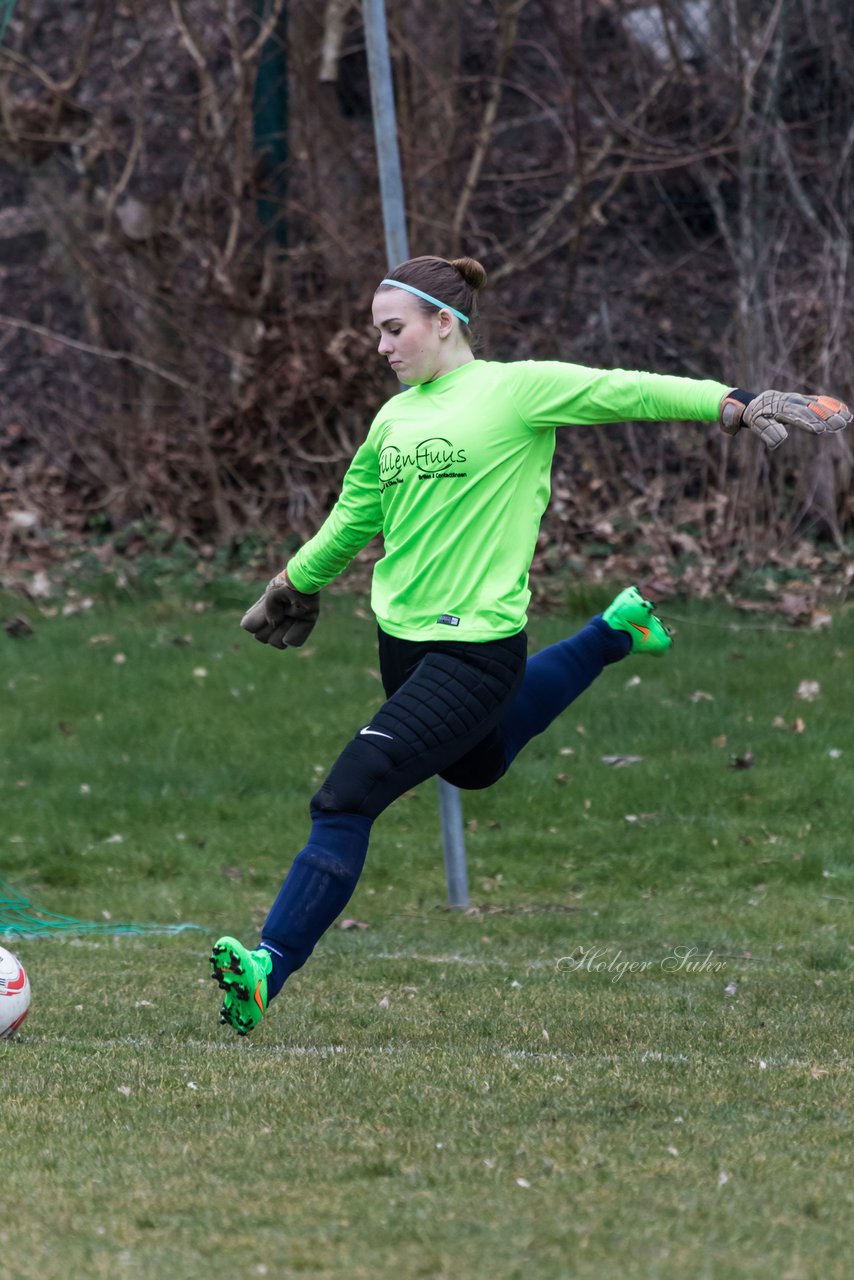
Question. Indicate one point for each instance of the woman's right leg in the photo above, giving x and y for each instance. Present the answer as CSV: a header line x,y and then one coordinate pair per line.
x,y
441,711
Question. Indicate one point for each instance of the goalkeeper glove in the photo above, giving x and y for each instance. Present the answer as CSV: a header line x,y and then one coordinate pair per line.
x,y
283,616
770,413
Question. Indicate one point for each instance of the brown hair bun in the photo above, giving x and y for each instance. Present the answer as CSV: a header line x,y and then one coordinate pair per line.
x,y
472,271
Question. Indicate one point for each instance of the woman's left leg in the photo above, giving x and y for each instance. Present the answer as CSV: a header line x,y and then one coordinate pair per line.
x,y
555,677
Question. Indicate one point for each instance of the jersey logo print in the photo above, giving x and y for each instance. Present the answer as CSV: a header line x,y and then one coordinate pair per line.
x,y
376,733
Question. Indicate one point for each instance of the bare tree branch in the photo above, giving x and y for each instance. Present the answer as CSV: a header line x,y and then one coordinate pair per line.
x,y
209,101
103,353
333,38
268,26
509,23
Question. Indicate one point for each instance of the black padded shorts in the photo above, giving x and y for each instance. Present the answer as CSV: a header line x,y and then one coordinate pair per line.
x,y
446,701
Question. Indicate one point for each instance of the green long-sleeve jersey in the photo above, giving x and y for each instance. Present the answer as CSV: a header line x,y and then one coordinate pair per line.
x,y
455,474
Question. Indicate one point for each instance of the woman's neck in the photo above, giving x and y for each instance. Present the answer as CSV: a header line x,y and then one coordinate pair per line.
x,y
454,360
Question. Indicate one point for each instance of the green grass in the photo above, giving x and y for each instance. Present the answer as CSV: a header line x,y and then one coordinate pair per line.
x,y
493,1094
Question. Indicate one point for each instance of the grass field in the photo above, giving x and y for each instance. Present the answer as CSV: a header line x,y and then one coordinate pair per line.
x,y
631,1059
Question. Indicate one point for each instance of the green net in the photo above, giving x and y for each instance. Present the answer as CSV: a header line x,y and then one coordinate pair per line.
x,y
20,918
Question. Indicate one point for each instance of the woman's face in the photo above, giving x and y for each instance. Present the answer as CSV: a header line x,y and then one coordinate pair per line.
x,y
411,341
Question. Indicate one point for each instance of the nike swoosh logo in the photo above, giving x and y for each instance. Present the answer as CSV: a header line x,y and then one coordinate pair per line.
x,y
643,630
376,733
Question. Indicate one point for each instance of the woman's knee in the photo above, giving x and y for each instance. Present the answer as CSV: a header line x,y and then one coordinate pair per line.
x,y
477,770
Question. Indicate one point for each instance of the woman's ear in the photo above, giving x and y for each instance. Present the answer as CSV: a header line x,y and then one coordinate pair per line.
x,y
446,323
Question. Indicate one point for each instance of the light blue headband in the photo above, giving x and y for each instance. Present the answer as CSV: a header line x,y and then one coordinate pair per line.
x,y
419,293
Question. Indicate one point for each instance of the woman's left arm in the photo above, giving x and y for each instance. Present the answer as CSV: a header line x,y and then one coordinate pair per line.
x,y
550,393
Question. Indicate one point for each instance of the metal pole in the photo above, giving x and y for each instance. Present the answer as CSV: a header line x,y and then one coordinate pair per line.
x,y
453,841
397,250
385,131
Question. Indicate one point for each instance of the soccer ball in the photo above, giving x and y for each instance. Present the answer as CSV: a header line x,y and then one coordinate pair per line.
x,y
14,994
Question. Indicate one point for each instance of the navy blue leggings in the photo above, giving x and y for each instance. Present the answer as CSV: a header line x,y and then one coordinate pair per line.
x,y
462,711
456,709
445,702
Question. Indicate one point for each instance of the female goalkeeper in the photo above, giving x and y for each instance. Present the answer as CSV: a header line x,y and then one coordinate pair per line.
x,y
455,475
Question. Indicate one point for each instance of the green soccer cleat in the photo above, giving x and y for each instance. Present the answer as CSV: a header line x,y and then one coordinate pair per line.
x,y
242,975
634,615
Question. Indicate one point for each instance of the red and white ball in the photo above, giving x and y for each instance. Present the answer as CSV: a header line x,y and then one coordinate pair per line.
x,y
14,994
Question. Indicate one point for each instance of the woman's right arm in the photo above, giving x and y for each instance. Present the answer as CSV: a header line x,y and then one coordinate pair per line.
x,y
356,518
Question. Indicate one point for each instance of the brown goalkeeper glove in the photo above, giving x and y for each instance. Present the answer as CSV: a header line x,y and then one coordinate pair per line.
x,y
770,413
283,616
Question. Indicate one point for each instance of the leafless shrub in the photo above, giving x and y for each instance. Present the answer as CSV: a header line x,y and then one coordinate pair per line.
x,y
185,336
